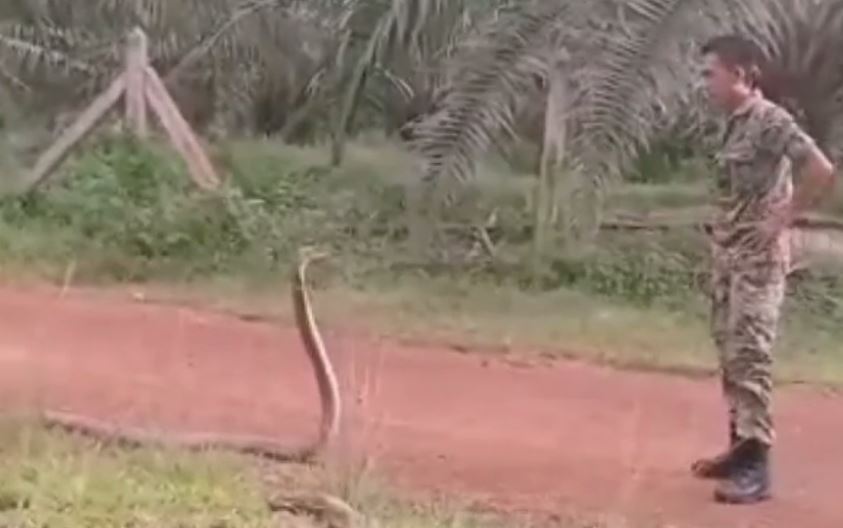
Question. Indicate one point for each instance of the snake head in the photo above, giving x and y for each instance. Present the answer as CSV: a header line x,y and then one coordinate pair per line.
x,y
309,254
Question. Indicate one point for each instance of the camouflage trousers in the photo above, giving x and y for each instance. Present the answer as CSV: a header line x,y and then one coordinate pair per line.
x,y
746,300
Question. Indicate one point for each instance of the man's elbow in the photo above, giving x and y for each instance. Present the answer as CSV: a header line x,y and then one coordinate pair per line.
x,y
822,170
828,174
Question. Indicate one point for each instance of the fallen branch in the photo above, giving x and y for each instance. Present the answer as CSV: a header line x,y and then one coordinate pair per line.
x,y
806,222
327,509
627,222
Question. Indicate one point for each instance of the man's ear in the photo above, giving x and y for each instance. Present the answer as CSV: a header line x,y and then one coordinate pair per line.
x,y
740,73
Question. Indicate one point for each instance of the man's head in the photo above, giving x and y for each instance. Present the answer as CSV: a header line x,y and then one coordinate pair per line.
x,y
732,69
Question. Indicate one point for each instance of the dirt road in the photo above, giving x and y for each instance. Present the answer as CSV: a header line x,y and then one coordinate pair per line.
x,y
542,439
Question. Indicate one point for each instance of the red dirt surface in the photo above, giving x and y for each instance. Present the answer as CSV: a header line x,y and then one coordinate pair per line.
x,y
540,439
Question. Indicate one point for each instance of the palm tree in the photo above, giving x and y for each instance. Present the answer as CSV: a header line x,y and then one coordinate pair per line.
x,y
620,84
401,64
466,74
806,68
220,58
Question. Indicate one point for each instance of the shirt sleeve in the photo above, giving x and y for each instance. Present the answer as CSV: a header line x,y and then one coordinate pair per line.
x,y
783,136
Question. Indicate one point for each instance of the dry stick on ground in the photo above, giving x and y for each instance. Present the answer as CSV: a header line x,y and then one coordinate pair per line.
x,y
260,446
330,510
809,222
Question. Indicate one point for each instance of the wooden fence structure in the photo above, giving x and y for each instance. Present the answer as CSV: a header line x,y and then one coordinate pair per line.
x,y
142,90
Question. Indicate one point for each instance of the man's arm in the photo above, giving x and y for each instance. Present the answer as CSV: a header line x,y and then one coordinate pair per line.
x,y
813,172
814,180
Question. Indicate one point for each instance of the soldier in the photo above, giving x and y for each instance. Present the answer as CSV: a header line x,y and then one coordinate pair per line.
x,y
750,253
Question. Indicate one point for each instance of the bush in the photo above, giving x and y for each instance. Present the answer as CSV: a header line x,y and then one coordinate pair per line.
x,y
130,212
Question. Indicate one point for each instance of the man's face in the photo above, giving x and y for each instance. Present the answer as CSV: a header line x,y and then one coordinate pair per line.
x,y
723,84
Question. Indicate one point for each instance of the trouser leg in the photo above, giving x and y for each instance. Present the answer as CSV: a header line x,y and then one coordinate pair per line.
x,y
721,294
755,298
720,465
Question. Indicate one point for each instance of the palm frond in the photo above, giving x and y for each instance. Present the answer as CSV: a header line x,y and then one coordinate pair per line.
x,y
805,72
216,55
633,73
646,71
490,74
47,48
408,44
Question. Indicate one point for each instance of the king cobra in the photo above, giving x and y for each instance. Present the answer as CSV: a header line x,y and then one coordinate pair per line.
x,y
263,447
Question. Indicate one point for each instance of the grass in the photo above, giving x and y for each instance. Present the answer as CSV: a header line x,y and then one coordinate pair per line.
x,y
53,479
126,214
127,217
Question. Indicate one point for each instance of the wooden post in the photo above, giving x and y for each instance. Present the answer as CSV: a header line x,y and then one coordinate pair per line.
x,y
140,86
179,131
136,63
76,132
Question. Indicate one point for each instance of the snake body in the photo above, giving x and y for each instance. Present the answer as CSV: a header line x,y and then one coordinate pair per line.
x,y
263,447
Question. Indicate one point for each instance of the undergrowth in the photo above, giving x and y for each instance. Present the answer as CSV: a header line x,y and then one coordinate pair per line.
x,y
55,479
128,213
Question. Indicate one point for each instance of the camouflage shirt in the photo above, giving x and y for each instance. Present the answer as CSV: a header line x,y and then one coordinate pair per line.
x,y
761,144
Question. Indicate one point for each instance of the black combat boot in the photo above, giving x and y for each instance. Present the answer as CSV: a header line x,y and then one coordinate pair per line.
x,y
749,481
720,466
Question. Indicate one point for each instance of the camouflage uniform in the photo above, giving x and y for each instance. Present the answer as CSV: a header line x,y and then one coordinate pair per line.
x,y
761,145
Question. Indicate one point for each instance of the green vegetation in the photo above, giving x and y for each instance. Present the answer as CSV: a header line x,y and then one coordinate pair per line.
x,y
52,479
411,138
123,213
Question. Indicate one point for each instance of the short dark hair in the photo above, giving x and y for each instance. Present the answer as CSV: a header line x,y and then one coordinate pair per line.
x,y
738,51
